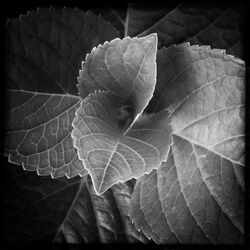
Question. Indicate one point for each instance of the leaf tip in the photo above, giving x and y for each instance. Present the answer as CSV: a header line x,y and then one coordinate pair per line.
x,y
151,39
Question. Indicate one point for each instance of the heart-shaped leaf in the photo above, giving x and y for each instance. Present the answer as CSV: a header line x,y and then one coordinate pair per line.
x,y
109,153
44,50
197,195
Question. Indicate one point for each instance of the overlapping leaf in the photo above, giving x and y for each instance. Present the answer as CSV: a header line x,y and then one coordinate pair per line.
x,y
109,154
41,210
198,193
44,52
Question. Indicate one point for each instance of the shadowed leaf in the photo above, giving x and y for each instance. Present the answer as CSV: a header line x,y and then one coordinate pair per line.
x,y
44,49
219,25
41,210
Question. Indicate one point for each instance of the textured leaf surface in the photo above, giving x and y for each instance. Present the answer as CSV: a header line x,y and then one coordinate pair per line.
x,y
221,26
44,50
205,91
197,195
125,67
109,154
42,210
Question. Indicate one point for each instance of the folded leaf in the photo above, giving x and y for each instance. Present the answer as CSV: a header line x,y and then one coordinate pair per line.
x,y
199,190
219,25
44,50
125,67
40,210
137,215
150,206
109,153
94,218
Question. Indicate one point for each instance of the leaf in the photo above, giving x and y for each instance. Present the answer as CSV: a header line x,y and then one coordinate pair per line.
x,y
205,91
110,217
125,67
138,216
140,17
185,214
40,210
109,153
44,50
219,25
201,185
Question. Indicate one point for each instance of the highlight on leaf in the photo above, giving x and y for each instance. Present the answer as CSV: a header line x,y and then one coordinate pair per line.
x,y
110,153
197,194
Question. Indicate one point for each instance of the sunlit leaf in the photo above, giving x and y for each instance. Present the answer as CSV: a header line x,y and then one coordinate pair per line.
x,y
199,190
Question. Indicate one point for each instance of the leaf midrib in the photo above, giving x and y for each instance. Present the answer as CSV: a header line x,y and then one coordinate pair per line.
x,y
190,140
44,93
159,21
43,198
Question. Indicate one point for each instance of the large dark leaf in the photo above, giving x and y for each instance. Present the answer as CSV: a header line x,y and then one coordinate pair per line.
x,y
221,26
44,50
197,195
